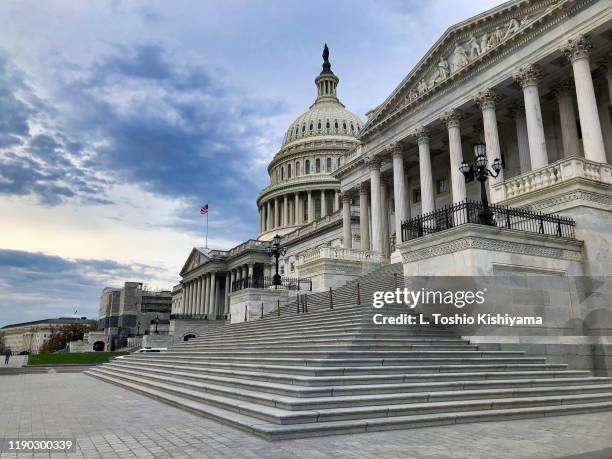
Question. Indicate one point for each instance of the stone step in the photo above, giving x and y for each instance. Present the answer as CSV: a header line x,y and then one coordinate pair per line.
x,y
274,409
373,331
359,366
339,338
288,386
379,380
338,354
272,431
352,346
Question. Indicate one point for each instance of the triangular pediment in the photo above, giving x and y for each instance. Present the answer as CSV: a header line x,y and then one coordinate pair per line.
x,y
197,257
460,49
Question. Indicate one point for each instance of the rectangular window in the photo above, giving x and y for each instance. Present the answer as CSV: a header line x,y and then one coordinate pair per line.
x,y
307,167
328,164
442,185
305,213
318,166
317,208
416,195
288,171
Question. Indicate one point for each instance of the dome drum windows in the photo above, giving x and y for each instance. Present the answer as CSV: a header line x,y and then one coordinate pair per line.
x,y
328,165
288,171
318,166
307,167
298,171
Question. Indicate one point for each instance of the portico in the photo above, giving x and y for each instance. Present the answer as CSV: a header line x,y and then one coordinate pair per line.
x,y
521,104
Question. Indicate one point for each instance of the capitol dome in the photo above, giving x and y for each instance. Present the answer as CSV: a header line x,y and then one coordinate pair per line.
x,y
302,186
327,116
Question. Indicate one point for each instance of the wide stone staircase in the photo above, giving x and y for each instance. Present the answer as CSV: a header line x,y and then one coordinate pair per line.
x,y
330,371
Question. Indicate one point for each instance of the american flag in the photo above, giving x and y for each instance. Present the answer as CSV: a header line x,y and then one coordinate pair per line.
x,y
204,209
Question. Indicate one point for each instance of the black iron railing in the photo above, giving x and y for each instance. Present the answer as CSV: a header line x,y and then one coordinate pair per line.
x,y
290,283
503,217
198,316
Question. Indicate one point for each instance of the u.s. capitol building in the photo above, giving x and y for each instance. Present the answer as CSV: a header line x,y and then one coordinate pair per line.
x,y
487,169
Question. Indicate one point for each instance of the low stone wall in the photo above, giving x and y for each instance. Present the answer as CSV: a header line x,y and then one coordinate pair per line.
x,y
247,304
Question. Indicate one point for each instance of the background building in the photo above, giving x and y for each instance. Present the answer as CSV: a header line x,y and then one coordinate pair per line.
x,y
128,312
30,336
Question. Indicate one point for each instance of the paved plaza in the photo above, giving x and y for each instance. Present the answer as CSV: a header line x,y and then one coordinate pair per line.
x,y
109,421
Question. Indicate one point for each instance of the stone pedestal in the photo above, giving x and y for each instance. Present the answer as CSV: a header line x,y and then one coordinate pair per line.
x,y
247,304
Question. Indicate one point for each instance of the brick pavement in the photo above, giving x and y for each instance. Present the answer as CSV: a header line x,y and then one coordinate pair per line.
x,y
112,422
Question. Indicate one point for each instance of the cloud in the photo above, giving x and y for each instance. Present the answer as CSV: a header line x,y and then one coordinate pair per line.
x,y
137,115
35,285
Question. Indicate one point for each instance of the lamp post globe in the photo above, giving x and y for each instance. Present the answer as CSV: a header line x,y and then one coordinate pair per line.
x,y
276,250
481,174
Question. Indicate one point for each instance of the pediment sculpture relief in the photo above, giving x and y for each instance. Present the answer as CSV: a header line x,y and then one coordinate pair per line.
x,y
462,54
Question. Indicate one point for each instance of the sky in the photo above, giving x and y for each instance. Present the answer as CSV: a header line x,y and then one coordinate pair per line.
x,y
118,119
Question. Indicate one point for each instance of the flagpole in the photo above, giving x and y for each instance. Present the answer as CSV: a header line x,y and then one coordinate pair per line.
x,y
206,229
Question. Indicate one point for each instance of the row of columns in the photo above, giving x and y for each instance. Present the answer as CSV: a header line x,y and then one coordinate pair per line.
x,y
199,295
292,214
531,143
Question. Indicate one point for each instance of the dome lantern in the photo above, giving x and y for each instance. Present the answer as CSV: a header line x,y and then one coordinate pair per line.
x,y
326,81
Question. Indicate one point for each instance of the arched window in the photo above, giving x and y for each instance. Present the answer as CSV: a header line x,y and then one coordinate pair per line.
x,y
311,126
297,169
288,171
303,128
319,125
318,165
327,125
352,127
336,124
344,125
328,164
307,167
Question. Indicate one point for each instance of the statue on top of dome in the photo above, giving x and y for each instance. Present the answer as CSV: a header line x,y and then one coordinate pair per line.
x,y
326,64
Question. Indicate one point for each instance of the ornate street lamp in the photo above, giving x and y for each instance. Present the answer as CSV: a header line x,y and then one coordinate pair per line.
x,y
276,250
156,322
481,172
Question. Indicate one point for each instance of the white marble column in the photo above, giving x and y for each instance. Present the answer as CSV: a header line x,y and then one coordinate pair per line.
x,y
226,304
311,212
578,51
399,193
296,209
269,216
183,305
193,297
384,210
232,279
198,295
276,212
564,92
347,235
527,77
207,294
452,119
486,101
186,298
323,204
336,199
426,177
213,293
364,216
285,211
376,236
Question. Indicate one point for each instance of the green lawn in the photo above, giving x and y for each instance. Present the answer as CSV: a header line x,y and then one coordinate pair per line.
x,y
76,358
